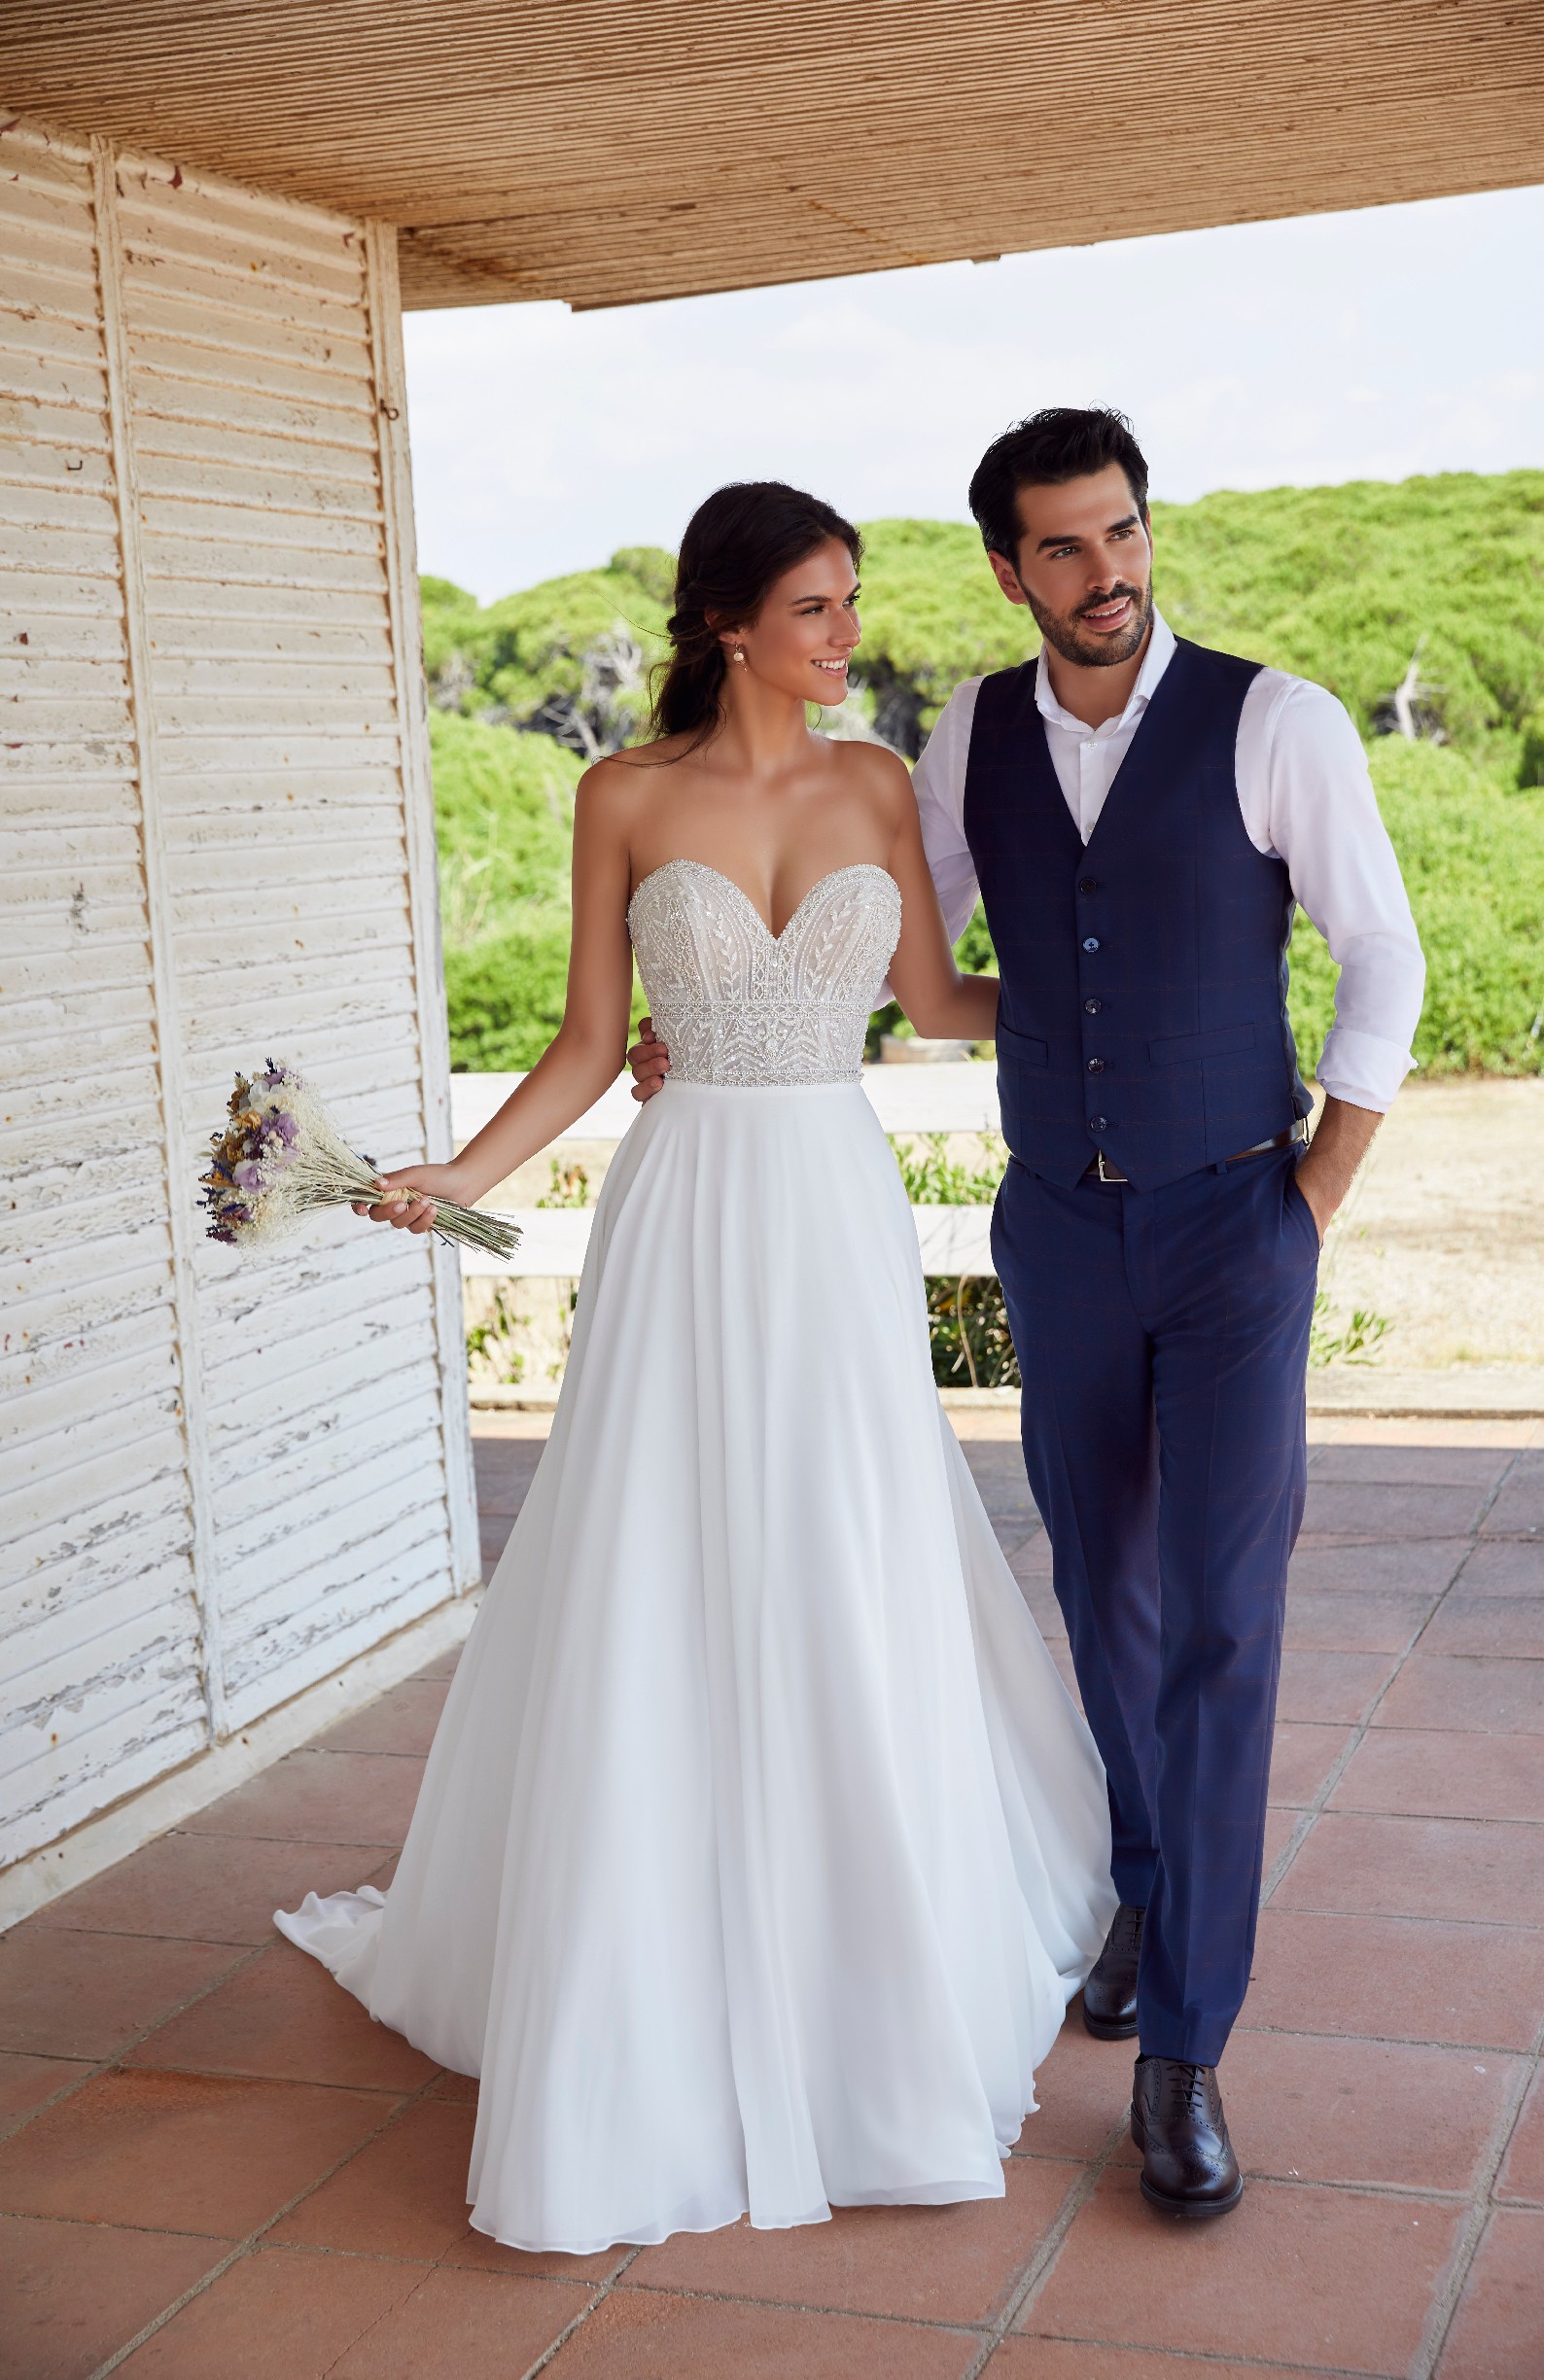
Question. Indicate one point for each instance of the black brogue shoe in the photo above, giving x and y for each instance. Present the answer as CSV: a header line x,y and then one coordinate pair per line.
x,y
1110,1996
1177,2122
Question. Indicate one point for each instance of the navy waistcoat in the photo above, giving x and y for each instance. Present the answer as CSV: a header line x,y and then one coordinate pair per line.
x,y
1143,1005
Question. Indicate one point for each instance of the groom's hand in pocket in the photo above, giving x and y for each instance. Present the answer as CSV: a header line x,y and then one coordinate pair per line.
x,y
1342,1139
650,1061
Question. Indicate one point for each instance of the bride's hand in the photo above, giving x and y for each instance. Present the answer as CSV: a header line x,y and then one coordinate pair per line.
x,y
415,1214
650,1061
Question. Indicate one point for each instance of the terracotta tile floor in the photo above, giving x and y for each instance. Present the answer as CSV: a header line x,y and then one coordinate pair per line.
x,y
214,2167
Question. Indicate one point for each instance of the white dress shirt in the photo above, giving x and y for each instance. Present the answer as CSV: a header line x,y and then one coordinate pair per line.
x,y
1304,796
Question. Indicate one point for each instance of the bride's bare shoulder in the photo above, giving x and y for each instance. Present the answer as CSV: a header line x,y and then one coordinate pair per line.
x,y
875,773
618,784
661,753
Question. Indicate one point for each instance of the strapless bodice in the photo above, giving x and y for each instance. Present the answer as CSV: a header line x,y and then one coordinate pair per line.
x,y
738,1004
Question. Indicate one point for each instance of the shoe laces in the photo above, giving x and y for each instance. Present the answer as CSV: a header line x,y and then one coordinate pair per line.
x,y
1187,2087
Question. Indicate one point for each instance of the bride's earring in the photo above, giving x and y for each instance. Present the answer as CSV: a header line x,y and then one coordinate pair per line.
x,y
738,654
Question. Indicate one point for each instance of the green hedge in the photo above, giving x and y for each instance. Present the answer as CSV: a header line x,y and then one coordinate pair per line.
x,y
1473,858
504,809
506,995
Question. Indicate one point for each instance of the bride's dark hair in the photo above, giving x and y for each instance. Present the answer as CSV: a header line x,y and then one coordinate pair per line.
x,y
736,546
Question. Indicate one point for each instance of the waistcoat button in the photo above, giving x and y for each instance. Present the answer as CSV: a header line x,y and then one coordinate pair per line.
x,y
1096,1066
1098,1124
1091,942
1093,1006
1088,884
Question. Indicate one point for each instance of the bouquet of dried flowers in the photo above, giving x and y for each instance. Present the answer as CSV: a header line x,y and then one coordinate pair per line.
x,y
281,1156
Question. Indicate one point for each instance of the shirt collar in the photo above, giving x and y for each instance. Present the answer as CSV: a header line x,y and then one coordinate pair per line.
x,y
1155,660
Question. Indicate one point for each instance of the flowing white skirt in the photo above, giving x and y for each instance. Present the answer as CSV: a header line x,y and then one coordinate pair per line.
x,y
760,1846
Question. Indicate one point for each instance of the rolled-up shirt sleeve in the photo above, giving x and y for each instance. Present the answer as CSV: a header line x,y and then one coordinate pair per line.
x,y
1322,819
938,782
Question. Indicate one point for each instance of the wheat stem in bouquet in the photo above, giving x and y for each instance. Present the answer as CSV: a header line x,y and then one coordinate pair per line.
x,y
282,1158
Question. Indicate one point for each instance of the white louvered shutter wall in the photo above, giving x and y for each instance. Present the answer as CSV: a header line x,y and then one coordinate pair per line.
x,y
249,618
100,1686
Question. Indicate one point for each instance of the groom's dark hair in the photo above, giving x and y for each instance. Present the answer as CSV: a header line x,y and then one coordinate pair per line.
x,y
1059,444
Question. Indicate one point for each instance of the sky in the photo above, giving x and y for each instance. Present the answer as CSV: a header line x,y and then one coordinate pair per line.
x,y
1320,349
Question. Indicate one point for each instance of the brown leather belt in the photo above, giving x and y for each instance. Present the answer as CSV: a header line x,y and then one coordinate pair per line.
x,y
1100,1167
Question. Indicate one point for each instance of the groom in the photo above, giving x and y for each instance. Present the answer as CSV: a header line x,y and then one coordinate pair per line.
x,y
1141,816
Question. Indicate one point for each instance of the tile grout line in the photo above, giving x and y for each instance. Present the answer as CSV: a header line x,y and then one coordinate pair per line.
x,y
578,2322
244,2247
1040,2264
1282,1863
1442,2312
94,2068
1227,2362
1497,1925
961,2325
1386,2041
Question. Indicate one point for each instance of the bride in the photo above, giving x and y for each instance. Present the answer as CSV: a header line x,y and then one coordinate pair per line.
x,y
761,1847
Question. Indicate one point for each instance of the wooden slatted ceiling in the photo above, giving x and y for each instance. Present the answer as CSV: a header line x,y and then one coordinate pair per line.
x,y
593,151
221,1477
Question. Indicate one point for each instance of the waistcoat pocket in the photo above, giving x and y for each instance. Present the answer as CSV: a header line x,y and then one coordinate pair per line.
x,y
1022,1047
1178,1049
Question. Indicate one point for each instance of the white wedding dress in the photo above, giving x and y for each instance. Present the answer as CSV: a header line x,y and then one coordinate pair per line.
x,y
761,1847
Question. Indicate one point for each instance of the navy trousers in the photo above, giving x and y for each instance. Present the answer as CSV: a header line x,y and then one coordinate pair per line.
x,y
1163,1340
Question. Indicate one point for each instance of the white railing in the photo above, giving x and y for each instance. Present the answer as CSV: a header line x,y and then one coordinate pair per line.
x,y
919,1099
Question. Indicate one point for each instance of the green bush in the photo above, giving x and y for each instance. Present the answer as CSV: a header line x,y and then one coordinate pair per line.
x,y
503,816
569,657
505,994
504,809
967,1330
1530,759
1473,858
1343,585
451,633
934,1178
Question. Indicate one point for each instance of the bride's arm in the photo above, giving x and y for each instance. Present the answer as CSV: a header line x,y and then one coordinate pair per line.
x,y
586,1054
942,1004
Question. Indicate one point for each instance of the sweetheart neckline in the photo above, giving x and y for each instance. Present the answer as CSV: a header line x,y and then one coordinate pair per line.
x,y
853,867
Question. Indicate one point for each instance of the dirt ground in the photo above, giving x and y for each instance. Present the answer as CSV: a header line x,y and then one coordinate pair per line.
x,y
1444,1230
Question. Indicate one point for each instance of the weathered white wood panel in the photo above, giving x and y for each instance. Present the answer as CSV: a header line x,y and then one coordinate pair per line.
x,y
102,1689
284,846
221,1478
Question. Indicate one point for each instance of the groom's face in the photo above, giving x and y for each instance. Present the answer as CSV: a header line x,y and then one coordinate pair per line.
x,y
1084,567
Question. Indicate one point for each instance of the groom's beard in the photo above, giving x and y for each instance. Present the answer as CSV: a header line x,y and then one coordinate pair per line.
x,y
1061,628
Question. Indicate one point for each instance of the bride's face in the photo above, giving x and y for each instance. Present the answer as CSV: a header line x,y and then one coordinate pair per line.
x,y
805,633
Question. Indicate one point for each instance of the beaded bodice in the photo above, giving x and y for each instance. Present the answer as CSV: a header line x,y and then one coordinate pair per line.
x,y
736,1003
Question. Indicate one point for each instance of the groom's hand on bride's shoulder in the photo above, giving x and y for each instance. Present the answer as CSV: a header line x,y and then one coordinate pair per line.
x,y
650,1061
